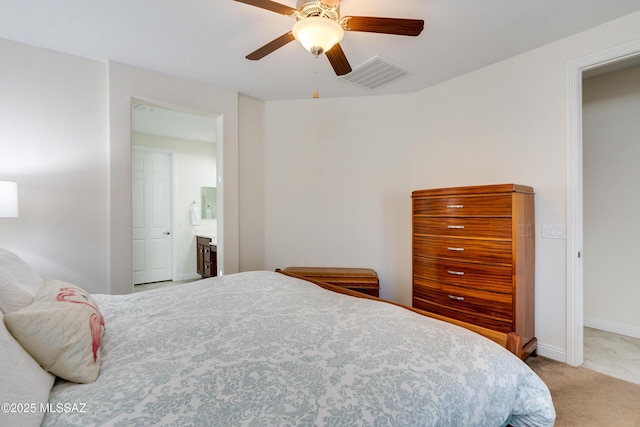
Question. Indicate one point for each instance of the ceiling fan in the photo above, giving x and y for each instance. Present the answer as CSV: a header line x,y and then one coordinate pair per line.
x,y
319,28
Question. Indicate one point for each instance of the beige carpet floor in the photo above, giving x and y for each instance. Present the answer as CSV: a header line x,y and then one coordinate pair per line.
x,y
587,398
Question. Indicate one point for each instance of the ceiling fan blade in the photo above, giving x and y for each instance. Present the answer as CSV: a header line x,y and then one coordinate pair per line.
x,y
399,26
338,60
271,46
269,5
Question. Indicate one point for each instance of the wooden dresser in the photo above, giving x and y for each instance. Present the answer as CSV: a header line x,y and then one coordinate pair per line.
x,y
473,256
206,257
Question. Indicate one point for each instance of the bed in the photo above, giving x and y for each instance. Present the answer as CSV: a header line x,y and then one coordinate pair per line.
x,y
265,349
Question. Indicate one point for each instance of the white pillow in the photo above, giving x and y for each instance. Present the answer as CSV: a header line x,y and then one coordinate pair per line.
x,y
62,329
22,381
18,282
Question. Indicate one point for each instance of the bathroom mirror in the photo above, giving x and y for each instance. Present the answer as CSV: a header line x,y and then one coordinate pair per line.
x,y
208,202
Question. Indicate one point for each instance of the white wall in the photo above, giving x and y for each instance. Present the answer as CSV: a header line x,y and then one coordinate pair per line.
x,y
195,164
331,165
611,117
251,185
53,142
337,186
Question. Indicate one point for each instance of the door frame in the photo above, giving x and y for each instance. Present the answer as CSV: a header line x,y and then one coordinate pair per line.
x,y
173,226
574,260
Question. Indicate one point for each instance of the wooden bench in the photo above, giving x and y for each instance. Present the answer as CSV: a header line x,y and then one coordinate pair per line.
x,y
363,280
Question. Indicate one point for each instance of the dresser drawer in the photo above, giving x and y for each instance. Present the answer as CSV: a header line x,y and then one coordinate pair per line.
x,y
501,325
471,302
465,274
205,241
472,250
492,205
491,227
476,301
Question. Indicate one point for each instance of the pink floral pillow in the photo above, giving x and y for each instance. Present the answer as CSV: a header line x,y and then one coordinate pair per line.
x,y
62,329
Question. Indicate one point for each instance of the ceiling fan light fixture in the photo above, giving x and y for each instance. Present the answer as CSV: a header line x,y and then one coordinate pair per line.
x,y
317,34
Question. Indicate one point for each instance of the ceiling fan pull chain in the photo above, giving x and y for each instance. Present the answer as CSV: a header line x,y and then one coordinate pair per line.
x,y
316,93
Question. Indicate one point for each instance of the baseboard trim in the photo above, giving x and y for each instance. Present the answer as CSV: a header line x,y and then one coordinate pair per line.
x,y
616,328
552,352
187,276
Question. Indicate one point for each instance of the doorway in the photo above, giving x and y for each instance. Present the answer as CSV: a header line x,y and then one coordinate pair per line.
x,y
191,140
575,285
611,106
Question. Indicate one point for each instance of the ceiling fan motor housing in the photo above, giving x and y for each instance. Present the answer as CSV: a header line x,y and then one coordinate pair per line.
x,y
308,9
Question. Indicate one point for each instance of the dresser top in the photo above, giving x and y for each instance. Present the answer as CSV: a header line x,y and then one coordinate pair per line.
x,y
476,189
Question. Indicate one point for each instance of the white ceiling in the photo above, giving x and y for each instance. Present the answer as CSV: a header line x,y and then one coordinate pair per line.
x,y
207,40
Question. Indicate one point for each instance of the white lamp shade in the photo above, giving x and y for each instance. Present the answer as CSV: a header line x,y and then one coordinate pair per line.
x,y
8,199
317,32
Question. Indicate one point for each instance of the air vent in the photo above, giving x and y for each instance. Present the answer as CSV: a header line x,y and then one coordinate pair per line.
x,y
375,73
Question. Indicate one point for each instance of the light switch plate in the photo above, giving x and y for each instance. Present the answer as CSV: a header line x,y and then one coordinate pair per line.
x,y
553,231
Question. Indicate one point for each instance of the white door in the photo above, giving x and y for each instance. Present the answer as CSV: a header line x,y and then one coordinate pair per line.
x,y
152,238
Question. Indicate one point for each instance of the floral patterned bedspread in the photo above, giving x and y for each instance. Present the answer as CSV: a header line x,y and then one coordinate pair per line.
x,y
264,349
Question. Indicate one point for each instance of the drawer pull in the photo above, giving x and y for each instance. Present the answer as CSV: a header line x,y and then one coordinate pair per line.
x,y
456,273
455,206
456,298
455,249
458,227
